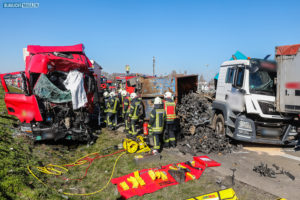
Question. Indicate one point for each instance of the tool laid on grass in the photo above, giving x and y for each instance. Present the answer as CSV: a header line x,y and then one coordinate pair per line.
x,y
137,145
164,176
227,194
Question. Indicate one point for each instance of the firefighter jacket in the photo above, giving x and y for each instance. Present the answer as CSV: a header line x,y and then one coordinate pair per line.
x,y
126,105
113,105
136,109
106,104
121,99
170,108
157,119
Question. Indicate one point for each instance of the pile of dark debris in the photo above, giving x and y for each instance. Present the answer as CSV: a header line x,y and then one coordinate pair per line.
x,y
195,134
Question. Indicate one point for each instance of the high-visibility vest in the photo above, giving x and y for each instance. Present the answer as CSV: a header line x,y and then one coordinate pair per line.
x,y
158,125
170,110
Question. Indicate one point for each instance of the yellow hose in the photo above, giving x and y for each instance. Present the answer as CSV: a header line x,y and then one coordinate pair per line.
x,y
50,169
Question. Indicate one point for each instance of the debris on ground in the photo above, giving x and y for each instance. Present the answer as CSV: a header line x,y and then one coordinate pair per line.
x,y
264,170
196,136
193,111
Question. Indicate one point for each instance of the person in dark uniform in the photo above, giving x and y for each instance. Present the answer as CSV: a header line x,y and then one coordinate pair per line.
x,y
170,109
135,114
156,123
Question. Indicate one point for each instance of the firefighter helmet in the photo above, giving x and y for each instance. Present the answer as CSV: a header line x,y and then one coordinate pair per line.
x,y
133,95
168,95
105,94
124,93
112,94
157,100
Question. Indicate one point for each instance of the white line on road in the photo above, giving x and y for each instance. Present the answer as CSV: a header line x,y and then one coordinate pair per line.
x,y
291,157
273,152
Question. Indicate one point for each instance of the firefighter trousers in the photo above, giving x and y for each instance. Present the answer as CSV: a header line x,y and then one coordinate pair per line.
x,y
156,140
169,136
134,123
126,119
111,120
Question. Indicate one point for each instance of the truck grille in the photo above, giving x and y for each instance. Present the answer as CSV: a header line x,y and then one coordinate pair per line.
x,y
268,108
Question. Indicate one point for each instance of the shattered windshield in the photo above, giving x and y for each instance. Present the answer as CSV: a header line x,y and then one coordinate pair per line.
x,y
45,89
262,82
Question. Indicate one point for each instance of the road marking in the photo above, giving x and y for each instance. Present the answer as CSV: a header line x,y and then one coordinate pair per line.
x,y
291,157
272,151
240,152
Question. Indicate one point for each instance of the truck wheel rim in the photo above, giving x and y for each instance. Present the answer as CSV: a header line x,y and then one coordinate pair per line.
x,y
219,127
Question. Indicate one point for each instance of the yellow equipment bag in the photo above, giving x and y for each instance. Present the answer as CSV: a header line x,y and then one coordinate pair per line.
x,y
227,194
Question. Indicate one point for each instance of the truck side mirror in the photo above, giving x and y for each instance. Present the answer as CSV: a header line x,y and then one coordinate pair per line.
x,y
242,91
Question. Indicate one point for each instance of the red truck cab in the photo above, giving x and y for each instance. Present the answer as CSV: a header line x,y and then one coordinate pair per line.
x,y
125,83
49,114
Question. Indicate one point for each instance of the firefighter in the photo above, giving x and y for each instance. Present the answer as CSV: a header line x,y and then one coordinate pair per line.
x,y
126,109
135,113
112,111
156,123
170,109
120,109
106,106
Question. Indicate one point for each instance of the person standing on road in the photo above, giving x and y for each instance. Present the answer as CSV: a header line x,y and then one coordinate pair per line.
x,y
156,123
135,113
170,109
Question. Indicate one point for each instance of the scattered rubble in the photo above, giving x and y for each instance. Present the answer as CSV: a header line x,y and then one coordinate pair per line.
x,y
196,136
194,111
264,170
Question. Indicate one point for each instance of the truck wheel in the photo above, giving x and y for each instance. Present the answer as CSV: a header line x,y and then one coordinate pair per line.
x,y
220,124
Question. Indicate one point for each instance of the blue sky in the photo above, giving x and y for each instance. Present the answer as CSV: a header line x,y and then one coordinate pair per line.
x,y
196,36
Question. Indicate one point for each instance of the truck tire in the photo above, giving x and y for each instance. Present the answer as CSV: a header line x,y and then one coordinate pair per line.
x,y
219,124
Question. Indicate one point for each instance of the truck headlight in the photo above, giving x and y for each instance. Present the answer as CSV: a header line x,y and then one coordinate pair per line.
x,y
243,125
293,131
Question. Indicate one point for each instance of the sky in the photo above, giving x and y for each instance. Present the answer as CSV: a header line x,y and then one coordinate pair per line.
x,y
195,36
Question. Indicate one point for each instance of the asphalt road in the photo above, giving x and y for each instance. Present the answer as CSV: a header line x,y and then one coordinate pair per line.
x,y
251,155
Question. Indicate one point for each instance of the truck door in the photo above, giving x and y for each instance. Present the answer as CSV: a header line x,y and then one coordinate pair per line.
x,y
236,96
228,81
18,102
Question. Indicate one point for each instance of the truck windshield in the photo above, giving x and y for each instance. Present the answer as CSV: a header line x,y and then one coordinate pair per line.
x,y
262,82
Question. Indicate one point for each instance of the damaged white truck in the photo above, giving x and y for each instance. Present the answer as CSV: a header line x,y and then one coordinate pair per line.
x,y
245,104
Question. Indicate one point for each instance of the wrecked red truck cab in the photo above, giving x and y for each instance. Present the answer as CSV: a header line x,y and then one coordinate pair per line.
x,y
54,97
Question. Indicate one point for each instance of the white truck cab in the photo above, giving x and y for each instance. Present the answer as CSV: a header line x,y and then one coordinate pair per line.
x,y
244,108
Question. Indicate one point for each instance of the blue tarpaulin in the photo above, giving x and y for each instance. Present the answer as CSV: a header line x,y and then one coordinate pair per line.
x,y
217,76
239,56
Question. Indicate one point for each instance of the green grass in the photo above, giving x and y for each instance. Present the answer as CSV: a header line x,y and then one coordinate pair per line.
x,y
16,183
